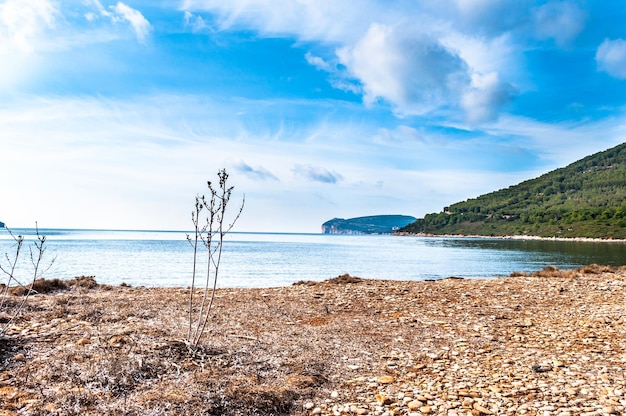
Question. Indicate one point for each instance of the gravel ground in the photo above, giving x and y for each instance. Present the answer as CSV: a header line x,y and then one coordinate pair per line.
x,y
549,343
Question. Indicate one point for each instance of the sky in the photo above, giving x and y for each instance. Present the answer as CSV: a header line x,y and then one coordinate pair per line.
x,y
115,114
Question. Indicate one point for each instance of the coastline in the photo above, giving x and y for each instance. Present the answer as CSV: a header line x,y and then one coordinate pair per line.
x,y
515,237
550,342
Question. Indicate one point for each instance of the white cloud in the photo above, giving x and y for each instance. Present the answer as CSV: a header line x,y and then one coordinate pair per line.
x,y
318,62
415,73
196,23
120,13
99,8
486,96
401,136
24,22
559,20
491,17
417,57
335,21
316,174
483,55
611,57
559,144
346,85
259,173
139,23
25,26
33,32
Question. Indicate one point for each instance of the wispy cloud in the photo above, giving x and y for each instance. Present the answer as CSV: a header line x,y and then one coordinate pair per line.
x,y
318,62
195,22
126,158
259,173
559,20
139,23
316,174
611,57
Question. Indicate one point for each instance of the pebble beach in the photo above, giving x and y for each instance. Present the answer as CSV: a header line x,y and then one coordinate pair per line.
x,y
546,343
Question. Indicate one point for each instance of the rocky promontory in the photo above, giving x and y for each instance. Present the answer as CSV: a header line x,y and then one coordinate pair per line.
x,y
374,224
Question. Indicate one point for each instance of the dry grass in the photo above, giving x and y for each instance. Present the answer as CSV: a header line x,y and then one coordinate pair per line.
x,y
81,348
43,286
553,271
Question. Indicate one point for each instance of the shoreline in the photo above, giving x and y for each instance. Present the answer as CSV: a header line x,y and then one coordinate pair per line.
x,y
515,237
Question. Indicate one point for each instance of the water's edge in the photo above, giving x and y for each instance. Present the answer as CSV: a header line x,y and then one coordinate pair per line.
x,y
164,258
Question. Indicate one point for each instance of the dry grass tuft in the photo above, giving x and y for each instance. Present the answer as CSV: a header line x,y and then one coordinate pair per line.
x,y
39,286
344,279
305,283
595,269
86,282
43,286
554,272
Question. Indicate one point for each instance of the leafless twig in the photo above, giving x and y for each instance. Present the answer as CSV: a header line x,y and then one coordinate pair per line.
x,y
211,235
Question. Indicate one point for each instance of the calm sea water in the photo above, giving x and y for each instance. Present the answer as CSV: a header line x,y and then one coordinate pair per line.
x,y
164,258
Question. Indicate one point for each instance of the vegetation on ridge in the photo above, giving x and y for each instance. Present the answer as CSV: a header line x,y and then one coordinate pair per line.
x,y
373,224
584,199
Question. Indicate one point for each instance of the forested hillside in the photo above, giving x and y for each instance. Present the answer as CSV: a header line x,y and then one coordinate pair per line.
x,y
375,224
584,199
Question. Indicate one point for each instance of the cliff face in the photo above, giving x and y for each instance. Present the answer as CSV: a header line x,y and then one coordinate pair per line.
x,y
376,224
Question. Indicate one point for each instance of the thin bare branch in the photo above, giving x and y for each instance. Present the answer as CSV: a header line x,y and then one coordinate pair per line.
x,y
36,259
211,235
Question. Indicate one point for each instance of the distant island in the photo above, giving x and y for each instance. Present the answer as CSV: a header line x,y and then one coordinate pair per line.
x,y
586,199
375,224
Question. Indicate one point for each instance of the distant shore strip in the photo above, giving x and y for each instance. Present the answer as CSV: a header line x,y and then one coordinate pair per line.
x,y
516,237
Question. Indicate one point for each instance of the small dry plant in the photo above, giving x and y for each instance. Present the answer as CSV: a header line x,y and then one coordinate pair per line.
x,y
12,271
210,228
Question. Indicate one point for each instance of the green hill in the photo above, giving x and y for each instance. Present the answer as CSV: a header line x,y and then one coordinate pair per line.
x,y
584,199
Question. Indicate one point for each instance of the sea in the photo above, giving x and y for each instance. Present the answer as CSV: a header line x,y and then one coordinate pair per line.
x,y
165,258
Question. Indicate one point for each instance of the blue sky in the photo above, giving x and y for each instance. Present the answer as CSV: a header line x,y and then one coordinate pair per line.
x,y
115,114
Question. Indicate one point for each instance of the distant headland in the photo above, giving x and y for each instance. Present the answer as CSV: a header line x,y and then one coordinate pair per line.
x,y
375,224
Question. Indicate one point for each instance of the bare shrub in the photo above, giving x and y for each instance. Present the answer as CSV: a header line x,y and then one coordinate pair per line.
x,y
210,228
13,276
